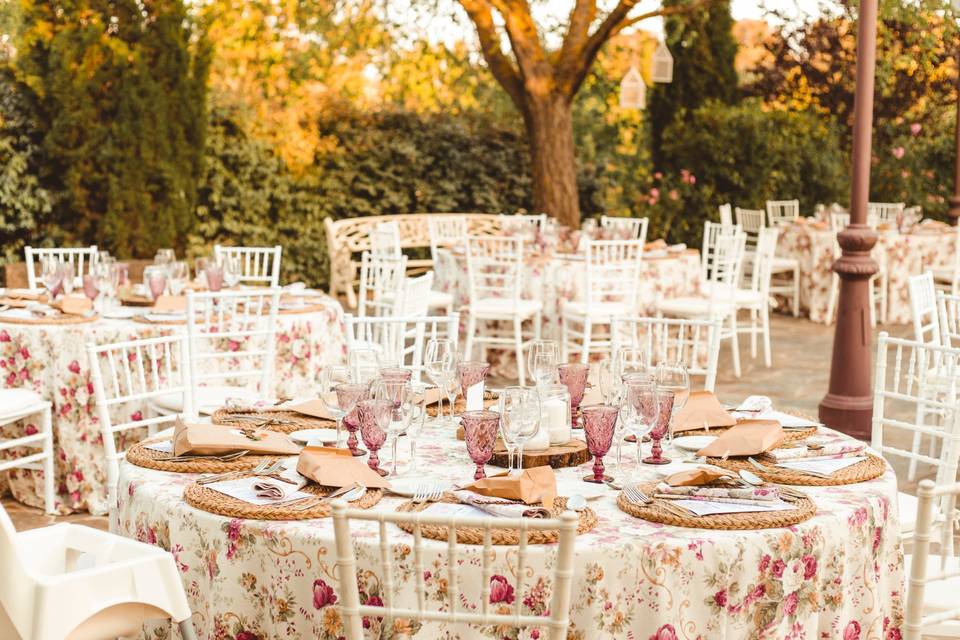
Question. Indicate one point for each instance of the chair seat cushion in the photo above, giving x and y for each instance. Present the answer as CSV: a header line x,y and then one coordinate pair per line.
x,y
208,399
601,311
940,595
16,401
504,308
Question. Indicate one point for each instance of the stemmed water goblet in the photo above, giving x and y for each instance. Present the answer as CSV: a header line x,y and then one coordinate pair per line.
x,y
395,391
90,287
543,356
374,421
338,402
51,274
156,280
232,271
665,399
440,363
67,275
178,274
573,376
418,400
673,376
480,434
471,373
519,421
631,360
640,409
213,273
599,424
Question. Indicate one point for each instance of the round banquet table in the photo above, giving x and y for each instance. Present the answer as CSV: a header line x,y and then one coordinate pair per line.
x,y
52,360
553,279
837,575
812,245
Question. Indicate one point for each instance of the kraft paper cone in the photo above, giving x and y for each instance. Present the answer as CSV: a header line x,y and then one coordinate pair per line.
x,y
331,467
213,440
702,411
170,304
696,477
74,305
747,438
538,484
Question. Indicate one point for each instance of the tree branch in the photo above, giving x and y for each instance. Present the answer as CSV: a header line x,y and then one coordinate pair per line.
x,y
536,71
500,66
581,17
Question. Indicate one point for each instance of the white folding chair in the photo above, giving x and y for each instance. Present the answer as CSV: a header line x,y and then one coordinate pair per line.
x,y
382,281
82,259
136,372
519,222
922,379
756,298
933,580
385,239
452,610
948,278
18,404
446,232
495,274
782,211
695,343
721,286
751,222
70,582
888,212
726,214
711,231
258,265
879,283
626,228
923,309
610,284
400,341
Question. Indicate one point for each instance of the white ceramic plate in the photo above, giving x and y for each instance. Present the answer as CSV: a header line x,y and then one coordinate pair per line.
x,y
693,443
327,436
572,486
408,486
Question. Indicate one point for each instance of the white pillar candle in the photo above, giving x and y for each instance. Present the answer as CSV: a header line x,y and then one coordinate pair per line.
x,y
474,399
540,440
555,415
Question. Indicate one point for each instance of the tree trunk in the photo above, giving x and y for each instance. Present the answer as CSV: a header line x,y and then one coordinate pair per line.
x,y
549,125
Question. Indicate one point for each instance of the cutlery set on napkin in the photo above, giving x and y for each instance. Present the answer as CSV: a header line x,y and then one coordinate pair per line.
x,y
705,491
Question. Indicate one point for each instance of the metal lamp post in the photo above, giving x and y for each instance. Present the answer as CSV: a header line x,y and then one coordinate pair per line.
x,y
848,405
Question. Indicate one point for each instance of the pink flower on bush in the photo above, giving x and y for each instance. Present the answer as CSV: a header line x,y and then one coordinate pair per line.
x,y
809,567
654,192
916,128
666,632
500,590
658,176
852,632
790,603
898,152
74,367
673,195
323,594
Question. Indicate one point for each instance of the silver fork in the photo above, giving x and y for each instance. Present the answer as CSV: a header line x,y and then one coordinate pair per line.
x,y
634,495
263,469
804,472
309,503
428,492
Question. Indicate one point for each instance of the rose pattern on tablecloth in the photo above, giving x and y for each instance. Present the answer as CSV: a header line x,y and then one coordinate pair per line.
x,y
52,360
839,574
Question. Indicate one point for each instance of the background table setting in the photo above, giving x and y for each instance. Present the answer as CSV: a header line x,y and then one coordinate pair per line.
x,y
680,543
44,349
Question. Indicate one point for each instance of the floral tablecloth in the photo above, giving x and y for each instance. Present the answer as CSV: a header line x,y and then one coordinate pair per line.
x,y
553,280
52,360
905,254
838,575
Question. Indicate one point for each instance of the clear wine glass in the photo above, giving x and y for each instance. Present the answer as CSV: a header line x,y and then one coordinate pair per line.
x,y
640,407
673,376
231,270
520,418
213,273
179,274
418,400
543,356
631,360
440,363
337,404
401,401
51,274
67,273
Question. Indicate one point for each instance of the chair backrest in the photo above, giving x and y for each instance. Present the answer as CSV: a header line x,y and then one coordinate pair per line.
x,y
839,220
948,310
915,624
750,220
82,259
919,379
258,265
923,309
626,228
385,239
782,211
416,296
765,253
886,211
400,341
613,272
130,374
726,214
711,231
725,272
382,281
453,608
695,343
519,222
446,232
232,336
495,268
16,585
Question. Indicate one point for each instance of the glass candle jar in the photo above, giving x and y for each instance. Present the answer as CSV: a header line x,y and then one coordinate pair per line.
x,y
555,413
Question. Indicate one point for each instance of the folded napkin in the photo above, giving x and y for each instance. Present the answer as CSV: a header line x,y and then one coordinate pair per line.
x,y
314,408
702,411
538,484
730,493
696,477
20,298
211,439
279,486
828,452
331,467
73,305
752,406
747,438
659,243
500,507
170,304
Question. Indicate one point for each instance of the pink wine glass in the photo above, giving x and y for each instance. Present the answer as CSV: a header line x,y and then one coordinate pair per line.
x,y
599,421
471,372
574,377
374,418
659,430
214,274
90,287
349,395
480,430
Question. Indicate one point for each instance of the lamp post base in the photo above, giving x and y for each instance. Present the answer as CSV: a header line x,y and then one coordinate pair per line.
x,y
852,415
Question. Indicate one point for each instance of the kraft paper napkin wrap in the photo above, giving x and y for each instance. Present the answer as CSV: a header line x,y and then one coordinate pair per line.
x,y
73,305
314,408
170,304
211,440
702,411
538,484
20,298
330,467
696,477
747,438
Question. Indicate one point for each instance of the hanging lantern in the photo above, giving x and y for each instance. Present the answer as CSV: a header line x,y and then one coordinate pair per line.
x,y
633,90
662,64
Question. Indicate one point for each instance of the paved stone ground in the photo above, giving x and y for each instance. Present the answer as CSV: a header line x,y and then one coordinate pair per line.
x,y
797,381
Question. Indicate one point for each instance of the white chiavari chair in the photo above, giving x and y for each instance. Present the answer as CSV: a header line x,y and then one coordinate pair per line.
x,y
23,404
726,214
782,211
922,379
751,221
82,259
933,579
879,283
518,221
756,298
400,341
695,343
382,281
385,239
948,278
888,212
923,309
136,372
495,274
453,610
948,312
258,265
610,284
626,228
721,285
75,582
711,231
446,232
